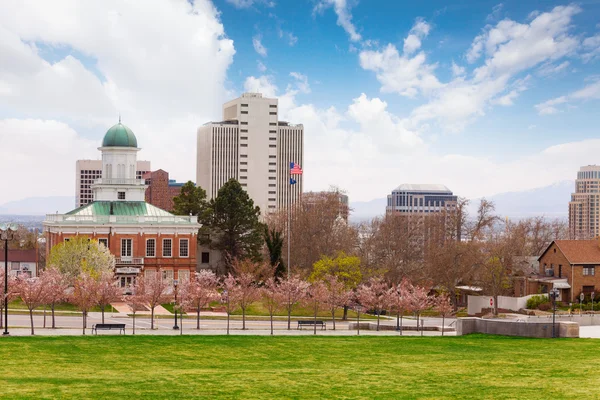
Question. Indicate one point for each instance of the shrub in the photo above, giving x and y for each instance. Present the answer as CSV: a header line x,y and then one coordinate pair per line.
x,y
545,307
535,301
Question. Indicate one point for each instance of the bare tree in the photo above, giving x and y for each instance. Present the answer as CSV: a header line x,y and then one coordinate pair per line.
x,y
33,293
57,289
108,291
85,293
294,290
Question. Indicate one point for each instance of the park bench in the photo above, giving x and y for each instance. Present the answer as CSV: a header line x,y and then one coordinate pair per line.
x,y
312,323
108,327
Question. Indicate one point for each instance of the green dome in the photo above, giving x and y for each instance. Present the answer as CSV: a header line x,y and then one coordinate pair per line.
x,y
119,136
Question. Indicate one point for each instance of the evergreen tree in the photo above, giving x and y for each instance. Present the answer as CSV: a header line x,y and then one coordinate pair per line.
x,y
233,224
191,200
274,242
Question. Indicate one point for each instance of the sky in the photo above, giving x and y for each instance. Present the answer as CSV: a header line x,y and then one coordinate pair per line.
x,y
481,96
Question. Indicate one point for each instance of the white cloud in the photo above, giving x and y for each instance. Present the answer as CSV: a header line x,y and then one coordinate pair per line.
x,y
413,41
342,10
258,46
549,69
591,47
589,92
249,3
292,40
262,84
260,66
301,82
116,62
457,70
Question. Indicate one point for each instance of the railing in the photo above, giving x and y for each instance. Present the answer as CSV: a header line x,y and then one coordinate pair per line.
x,y
122,219
129,260
119,181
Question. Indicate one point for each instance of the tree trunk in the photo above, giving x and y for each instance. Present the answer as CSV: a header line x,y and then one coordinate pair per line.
x,y
345,316
442,325
244,318
358,326
378,315
134,323
333,317
228,316
398,321
289,316
198,318
315,320
31,318
83,314
495,305
271,324
2,312
44,316
102,308
53,316
401,324
152,318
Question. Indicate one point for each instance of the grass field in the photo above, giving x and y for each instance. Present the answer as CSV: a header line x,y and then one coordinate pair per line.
x,y
127,367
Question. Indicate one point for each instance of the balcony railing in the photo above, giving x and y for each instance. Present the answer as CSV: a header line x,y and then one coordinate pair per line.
x,y
121,219
119,181
129,260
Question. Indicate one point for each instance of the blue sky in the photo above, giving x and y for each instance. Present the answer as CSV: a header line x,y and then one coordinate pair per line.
x,y
485,97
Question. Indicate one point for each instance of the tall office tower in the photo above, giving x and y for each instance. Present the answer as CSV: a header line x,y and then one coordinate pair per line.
x,y
584,211
86,173
421,199
254,147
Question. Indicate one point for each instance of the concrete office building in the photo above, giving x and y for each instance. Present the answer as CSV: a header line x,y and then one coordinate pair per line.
x,y
253,146
421,199
88,171
584,207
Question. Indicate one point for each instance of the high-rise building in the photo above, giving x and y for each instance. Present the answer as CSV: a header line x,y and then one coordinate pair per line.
x,y
584,207
254,147
420,199
88,171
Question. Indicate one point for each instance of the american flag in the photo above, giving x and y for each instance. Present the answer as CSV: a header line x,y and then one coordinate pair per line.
x,y
295,169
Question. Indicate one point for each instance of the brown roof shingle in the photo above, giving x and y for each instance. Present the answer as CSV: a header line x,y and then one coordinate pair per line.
x,y
580,251
19,255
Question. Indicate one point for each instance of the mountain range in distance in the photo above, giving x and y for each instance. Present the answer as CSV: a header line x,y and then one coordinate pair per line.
x,y
550,201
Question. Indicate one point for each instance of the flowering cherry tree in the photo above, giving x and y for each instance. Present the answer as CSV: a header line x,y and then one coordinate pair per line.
x,y
156,290
293,290
272,297
34,293
201,290
316,299
419,302
337,295
137,299
85,294
108,291
399,300
444,306
374,296
246,294
230,296
57,286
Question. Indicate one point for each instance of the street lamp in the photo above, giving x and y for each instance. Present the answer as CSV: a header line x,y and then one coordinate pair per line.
x,y
175,282
7,232
554,296
581,297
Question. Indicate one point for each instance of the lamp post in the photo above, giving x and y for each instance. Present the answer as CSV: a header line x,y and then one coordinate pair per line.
x,y
554,296
581,297
7,232
592,296
358,309
175,282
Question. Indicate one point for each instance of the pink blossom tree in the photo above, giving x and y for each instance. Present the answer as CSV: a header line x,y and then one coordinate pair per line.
x,y
419,302
202,289
230,296
317,299
85,294
399,300
108,291
337,296
294,290
272,297
157,291
137,299
444,306
57,286
374,296
247,293
33,292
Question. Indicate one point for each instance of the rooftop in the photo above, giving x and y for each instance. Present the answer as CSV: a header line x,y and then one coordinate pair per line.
x,y
20,255
422,187
119,135
579,251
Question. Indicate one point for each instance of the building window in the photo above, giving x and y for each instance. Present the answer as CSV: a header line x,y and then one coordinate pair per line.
x,y
244,123
244,155
168,275
272,138
272,178
104,242
244,105
272,170
151,248
271,113
243,130
243,170
150,273
184,248
273,145
243,163
272,192
121,195
272,105
272,163
244,112
244,137
272,199
272,185
205,257
273,123
272,131
272,156
588,271
126,247
167,248
244,145
183,275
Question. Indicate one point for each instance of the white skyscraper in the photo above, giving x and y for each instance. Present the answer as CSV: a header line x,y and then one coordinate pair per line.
x,y
254,147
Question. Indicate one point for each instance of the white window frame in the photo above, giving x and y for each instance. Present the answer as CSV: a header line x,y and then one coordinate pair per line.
x,y
147,255
183,275
170,248
187,248
168,275
103,240
124,240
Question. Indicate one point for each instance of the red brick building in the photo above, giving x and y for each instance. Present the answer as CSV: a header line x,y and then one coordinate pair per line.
x,y
142,237
161,190
570,266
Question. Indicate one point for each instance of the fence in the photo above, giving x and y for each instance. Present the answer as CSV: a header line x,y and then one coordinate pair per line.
x,y
477,303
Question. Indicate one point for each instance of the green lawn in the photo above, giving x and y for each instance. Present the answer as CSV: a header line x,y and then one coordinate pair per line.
x,y
128,367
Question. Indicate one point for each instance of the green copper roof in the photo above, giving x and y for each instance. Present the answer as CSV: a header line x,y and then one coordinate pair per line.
x,y
119,136
120,208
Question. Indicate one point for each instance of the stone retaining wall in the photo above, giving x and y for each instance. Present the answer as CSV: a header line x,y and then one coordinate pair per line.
x,y
465,326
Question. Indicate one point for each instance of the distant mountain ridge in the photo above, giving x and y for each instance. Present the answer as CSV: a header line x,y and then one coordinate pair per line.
x,y
550,201
38,205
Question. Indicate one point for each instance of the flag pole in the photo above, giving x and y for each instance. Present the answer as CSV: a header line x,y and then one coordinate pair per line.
x,y
288,226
